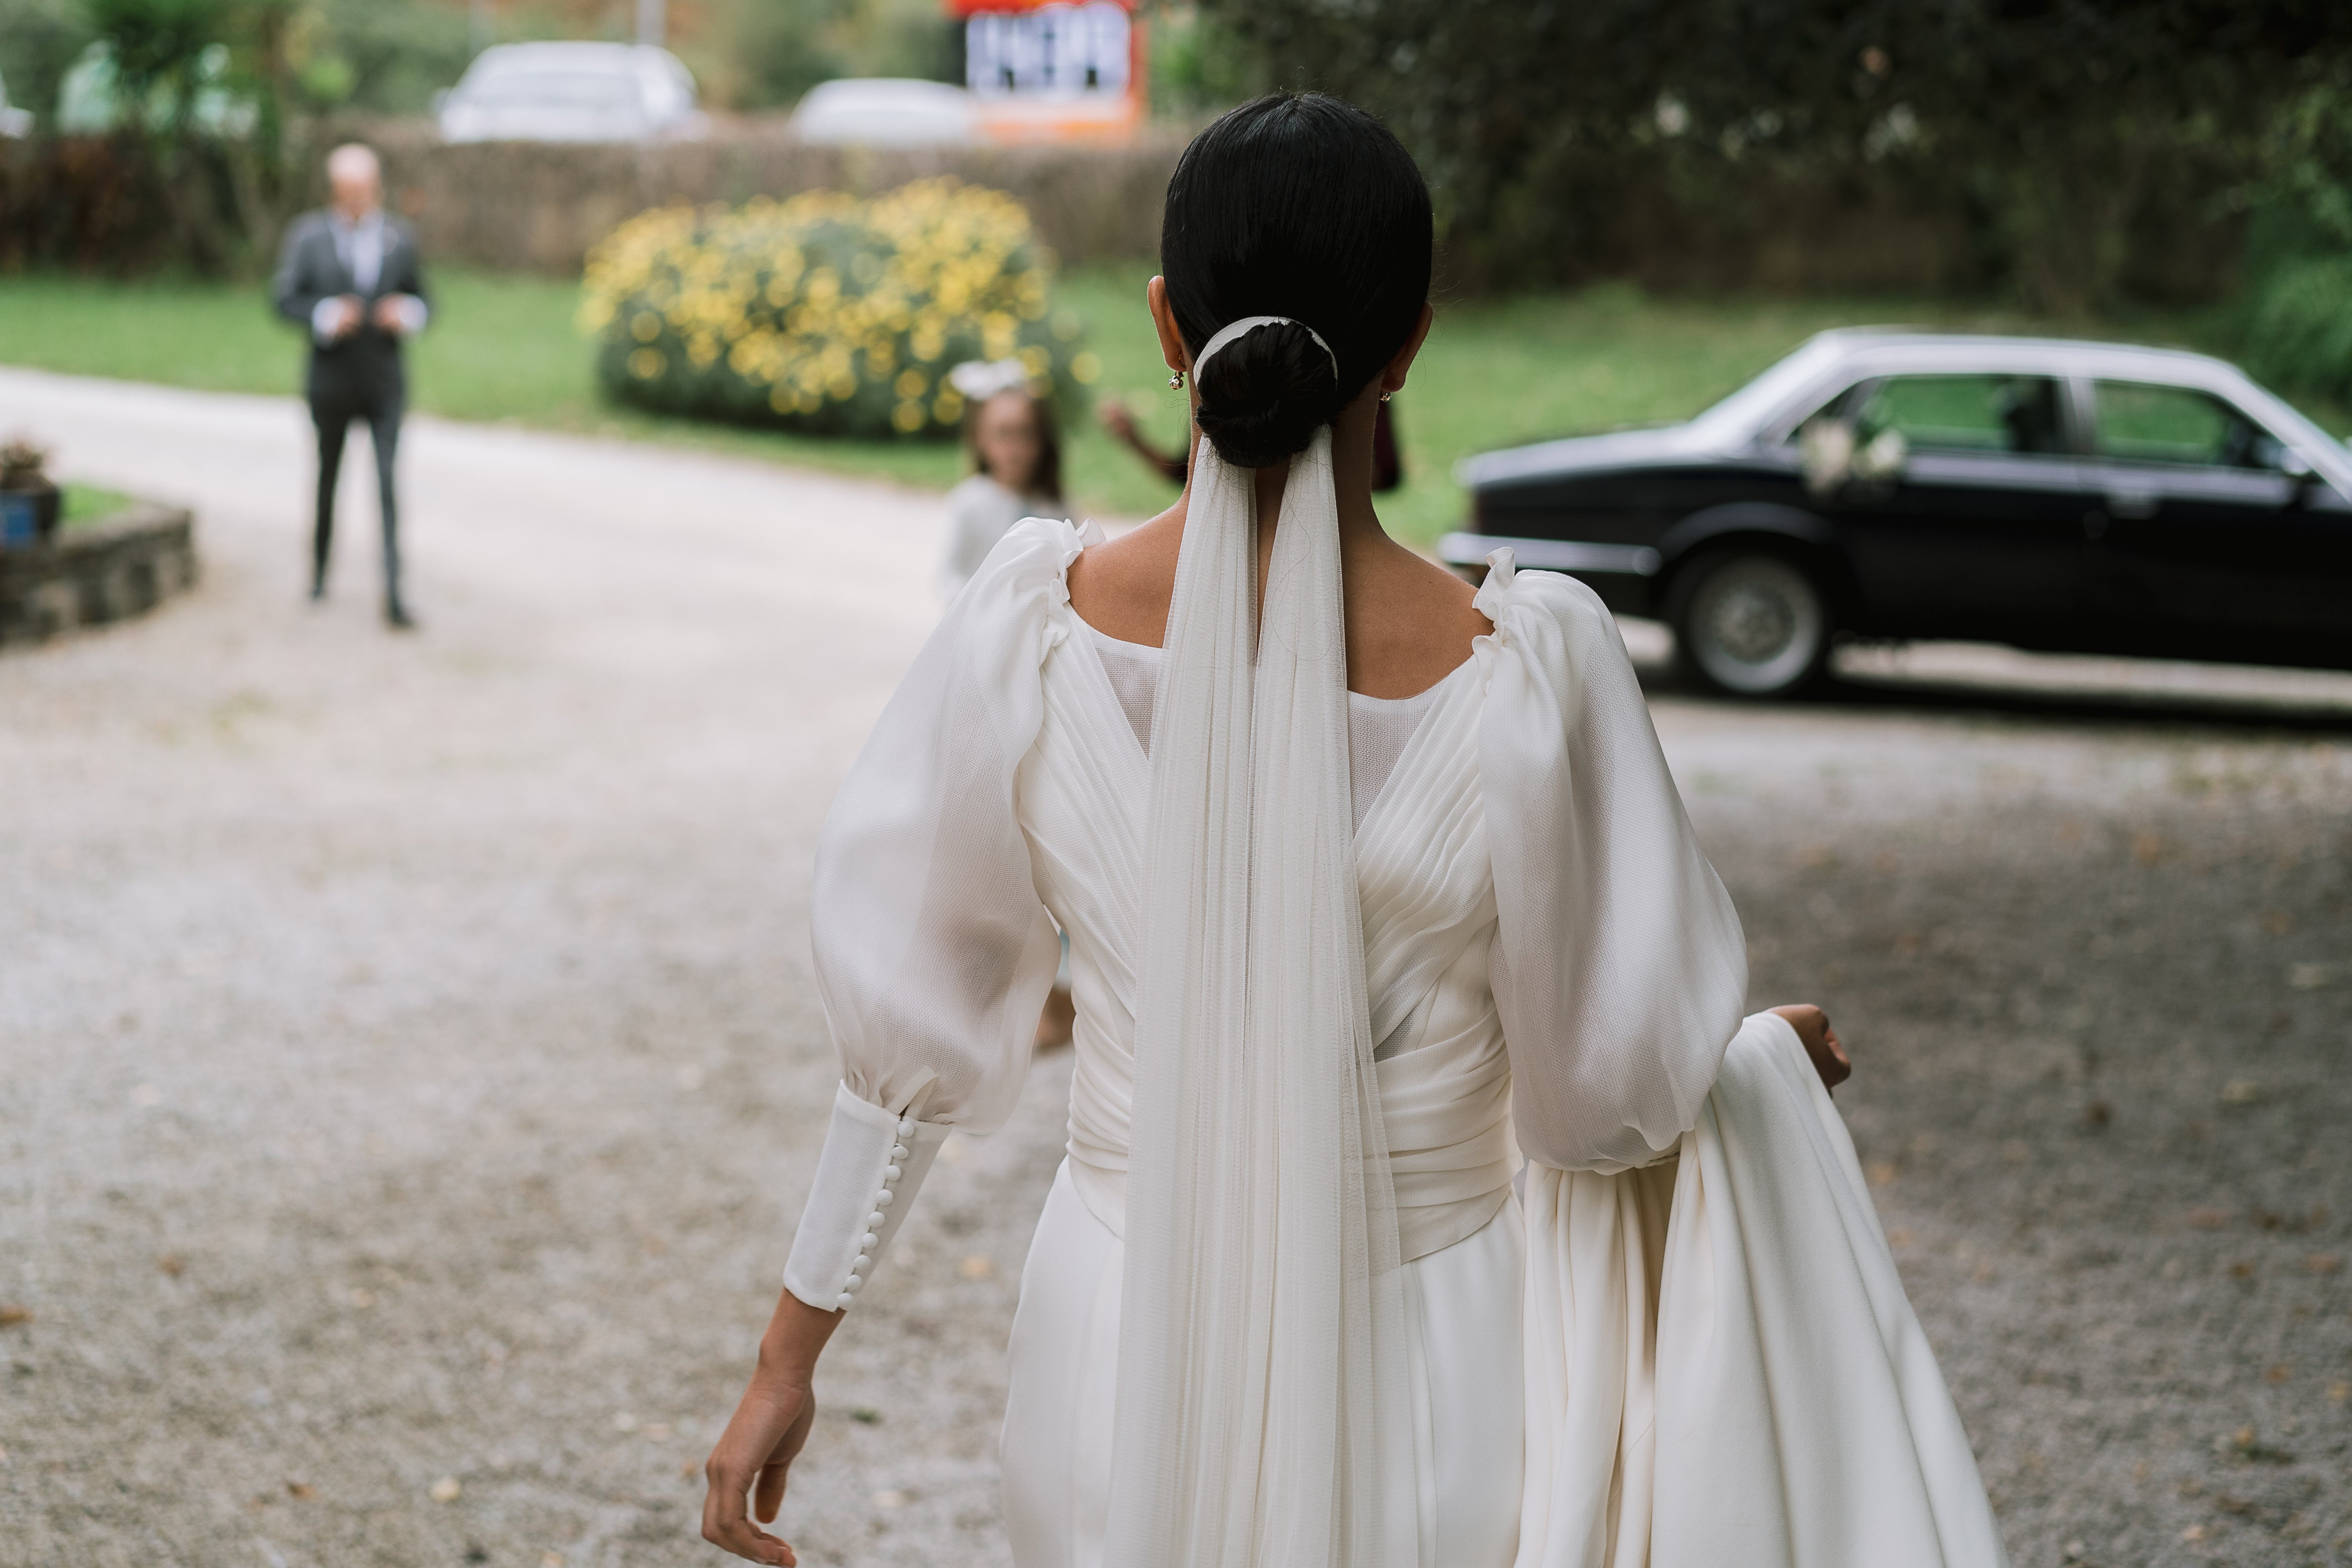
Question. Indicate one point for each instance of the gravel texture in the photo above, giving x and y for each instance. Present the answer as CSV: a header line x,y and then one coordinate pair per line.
x,y
409,1073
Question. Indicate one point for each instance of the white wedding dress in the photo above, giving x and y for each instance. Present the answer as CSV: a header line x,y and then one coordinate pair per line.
x,y
1648,1316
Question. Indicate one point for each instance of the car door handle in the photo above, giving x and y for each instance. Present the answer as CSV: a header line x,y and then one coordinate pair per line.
x,y
2132,503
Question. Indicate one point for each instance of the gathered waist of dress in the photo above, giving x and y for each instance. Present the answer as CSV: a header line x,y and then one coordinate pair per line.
x,y
1445,1106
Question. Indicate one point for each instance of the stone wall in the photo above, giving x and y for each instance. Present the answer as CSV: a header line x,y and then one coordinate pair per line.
x,y
107,571
538,207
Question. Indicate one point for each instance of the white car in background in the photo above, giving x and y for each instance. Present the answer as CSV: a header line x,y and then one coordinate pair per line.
x,y
574,92
887,111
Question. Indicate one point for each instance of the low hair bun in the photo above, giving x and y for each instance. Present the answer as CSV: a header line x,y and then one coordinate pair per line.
x,y
1265,395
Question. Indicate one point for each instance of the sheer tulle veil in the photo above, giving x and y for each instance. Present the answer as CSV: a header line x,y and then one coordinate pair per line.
x,y
1262,1359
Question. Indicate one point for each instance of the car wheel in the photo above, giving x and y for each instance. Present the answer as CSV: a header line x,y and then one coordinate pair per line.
x,y
1751,623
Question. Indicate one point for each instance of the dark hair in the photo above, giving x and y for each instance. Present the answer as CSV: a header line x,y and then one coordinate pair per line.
x,y
1301,205
1046,482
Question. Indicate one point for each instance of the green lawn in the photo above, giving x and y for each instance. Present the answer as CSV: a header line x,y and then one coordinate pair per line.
x,y
502,348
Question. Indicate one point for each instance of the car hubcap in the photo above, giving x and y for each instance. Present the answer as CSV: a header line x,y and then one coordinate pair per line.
x,y
1756,625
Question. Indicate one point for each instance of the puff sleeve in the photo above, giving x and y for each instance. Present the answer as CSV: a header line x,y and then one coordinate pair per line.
x,y
933,951
1618,964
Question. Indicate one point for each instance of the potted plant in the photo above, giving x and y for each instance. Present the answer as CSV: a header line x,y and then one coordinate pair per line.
x,y
25,488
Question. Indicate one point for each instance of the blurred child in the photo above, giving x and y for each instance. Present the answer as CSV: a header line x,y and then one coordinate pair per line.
x,y
1016,455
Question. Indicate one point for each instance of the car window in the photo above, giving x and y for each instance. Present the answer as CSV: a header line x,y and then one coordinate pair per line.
x,y
1965,413
601,91
2181,425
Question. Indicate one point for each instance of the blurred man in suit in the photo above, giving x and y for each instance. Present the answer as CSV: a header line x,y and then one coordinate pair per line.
x,y
350,275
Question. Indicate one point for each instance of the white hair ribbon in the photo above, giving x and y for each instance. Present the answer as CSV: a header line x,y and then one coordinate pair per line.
x,y
978,381
1232,329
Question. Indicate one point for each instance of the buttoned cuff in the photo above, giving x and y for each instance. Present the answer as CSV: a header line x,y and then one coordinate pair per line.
x,y
414,314
866,1182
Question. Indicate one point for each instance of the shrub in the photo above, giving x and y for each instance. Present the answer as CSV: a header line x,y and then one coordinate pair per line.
x,y
2299,327
825,312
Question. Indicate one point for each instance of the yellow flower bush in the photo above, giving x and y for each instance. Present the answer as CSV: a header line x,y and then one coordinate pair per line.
x,y
827,312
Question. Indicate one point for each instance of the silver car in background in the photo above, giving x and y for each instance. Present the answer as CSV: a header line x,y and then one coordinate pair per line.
x,y
885,112
574,92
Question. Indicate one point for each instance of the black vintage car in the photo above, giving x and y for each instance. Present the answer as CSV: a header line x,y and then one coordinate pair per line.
x,y
2076,496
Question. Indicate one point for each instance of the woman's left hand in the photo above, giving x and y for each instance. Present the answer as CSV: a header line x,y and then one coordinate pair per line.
x,y
766,1436
1822,1044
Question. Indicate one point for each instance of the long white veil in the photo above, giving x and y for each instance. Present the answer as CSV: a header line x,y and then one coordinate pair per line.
x,y
1262,1405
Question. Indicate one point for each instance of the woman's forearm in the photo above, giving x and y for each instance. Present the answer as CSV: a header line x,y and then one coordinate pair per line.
x,y
795,1337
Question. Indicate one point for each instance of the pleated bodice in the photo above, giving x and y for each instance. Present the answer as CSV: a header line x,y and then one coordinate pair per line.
x,y
1425,891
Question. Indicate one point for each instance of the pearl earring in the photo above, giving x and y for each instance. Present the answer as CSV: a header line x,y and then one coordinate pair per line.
x,y
1176,382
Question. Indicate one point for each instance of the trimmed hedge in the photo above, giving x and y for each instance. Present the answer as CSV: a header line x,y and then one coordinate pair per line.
x,y
828,314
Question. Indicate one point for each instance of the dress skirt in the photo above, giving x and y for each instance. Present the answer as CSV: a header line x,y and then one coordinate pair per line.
x,y
1462,1304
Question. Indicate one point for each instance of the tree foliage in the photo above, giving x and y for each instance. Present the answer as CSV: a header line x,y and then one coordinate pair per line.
x,y
2057,122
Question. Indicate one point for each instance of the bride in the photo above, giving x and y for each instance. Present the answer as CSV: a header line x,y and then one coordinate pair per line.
x,y
1428,1202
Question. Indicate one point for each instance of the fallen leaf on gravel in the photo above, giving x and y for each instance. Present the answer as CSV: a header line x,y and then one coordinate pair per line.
x,y
11,1315
550,1560
892,1499
2339,1391
300,1490
2194,1532
2323,1263
2279,1373
2309,976
866,1414
657,1433
173,1264
1880,1172
445,1490
977,1267
2241,1091
2208,1219
2241,1271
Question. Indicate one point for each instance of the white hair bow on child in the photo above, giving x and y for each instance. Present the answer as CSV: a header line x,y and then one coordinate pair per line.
x,y
980,380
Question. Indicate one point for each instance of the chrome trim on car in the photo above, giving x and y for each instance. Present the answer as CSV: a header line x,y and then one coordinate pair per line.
x,y
1551,554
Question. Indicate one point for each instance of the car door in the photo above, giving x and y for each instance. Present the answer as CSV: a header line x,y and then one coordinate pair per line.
x,y
1969,523
2206,546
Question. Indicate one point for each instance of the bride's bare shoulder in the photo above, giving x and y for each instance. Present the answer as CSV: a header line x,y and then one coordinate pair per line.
x,y
1121,586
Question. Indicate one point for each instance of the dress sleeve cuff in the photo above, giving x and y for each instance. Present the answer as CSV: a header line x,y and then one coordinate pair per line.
x,y
865,1180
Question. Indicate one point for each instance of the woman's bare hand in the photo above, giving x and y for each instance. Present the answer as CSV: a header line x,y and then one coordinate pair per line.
x,y
768,1431
1822,1044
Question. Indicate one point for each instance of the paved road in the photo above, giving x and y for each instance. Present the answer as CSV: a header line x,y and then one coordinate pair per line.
x,y
408,1072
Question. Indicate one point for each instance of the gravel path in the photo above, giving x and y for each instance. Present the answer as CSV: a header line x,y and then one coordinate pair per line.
x,y
408,1072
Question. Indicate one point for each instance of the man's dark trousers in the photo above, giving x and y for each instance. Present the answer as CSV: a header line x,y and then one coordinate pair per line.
x,y
358,376
333,411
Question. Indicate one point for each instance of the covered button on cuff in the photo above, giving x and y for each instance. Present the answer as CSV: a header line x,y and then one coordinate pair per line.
x,y
873,1158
